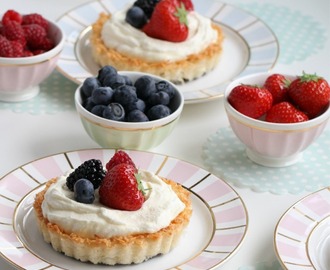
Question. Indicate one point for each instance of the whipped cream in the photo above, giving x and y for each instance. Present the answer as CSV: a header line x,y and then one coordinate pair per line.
x,y
126,39
160,208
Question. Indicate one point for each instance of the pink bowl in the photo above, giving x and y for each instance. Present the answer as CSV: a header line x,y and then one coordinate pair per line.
x,y
20,77
272,144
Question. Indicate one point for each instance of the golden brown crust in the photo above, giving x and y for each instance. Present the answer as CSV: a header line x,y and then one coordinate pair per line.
x,y
193,66
84,249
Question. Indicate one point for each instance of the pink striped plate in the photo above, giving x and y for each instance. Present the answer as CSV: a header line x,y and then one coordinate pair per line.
x,y
216,231
302,235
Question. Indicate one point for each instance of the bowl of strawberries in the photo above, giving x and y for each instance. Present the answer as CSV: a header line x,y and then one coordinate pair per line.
x,y
30,46
277,116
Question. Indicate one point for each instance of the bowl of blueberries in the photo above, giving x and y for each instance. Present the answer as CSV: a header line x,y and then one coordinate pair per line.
x,y
127,109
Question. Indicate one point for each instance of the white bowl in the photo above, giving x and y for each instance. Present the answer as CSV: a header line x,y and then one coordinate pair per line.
x,y
272,144
20,77
129,135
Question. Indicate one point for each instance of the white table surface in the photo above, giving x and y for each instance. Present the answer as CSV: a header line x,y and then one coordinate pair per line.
x,y
25,137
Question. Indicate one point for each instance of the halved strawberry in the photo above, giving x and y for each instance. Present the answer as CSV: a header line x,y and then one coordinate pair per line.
x,y
168,21
119,157
285,112
122,189
250,100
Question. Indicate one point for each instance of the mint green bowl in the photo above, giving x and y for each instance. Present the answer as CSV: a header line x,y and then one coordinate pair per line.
x,y
128,135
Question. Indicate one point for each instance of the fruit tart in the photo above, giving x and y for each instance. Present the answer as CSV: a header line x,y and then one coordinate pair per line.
x,y
167,38
112,215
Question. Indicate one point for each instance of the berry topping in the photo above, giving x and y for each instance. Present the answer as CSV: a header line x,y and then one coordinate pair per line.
x,y
122,189
84,191
168,21
252,101
147,6
310,93
136,17
118,158
91,169
285,112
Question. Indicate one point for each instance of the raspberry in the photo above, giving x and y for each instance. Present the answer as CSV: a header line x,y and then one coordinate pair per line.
x,y
34,34
35,18
5,47
14,31
27,53
46,44
11,15
18,48
91,169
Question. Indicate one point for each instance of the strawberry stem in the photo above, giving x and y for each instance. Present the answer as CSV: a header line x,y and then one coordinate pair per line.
x,y
309,77
182,14
139,182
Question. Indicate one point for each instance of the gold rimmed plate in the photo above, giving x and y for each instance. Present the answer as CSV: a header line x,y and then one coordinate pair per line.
x,y
217,228
250,46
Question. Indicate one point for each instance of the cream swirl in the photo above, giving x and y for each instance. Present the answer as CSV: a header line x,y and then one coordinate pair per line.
x,y
126,39
160,208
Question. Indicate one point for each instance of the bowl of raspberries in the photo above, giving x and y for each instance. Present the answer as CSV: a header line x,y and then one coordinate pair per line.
x,y
277,116
127,109
30,46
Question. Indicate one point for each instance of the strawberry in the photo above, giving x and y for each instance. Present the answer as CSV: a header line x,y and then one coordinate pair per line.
x,y
250,100
118,158
168,21
11,15
121,188
188,4
310,93
277,85
285,112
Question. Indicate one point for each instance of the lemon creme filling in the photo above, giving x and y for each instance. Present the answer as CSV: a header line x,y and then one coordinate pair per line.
x,y
121,36
162,205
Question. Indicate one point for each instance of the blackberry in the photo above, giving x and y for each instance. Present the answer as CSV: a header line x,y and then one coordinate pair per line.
x,y
91,169
147,6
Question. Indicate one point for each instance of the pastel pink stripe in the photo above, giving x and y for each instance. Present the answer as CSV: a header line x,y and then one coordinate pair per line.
x,y
91,154
229,215
182,171
16,186
25,260
6,212
205,262
47,167
317,204
288,222
229,240
142,160
8,236
295,252
214,190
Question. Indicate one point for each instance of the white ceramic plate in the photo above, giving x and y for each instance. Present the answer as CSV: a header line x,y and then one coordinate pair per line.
x,y
302,235
217,228
250,46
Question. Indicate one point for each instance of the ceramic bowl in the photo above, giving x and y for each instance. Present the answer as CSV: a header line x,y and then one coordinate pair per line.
x,y
272,144
129,135
20,77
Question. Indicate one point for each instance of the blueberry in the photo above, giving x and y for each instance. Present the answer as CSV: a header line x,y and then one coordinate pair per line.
x,y
114,81
88,104
139,104
106,71
89,85
137,116
84,191
102,95
160,97
145,86
114,111
158,111
98,110
136,17
128,80
166,87
125,95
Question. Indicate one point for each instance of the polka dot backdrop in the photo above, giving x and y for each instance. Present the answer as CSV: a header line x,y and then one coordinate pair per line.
x,y
225,156
299,35
56,94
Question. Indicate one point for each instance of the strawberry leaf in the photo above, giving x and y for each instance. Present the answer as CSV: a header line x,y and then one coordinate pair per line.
x,y
139,182
182,14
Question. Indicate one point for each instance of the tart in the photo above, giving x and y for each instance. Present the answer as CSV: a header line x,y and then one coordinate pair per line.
x,y
68,237
175,61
